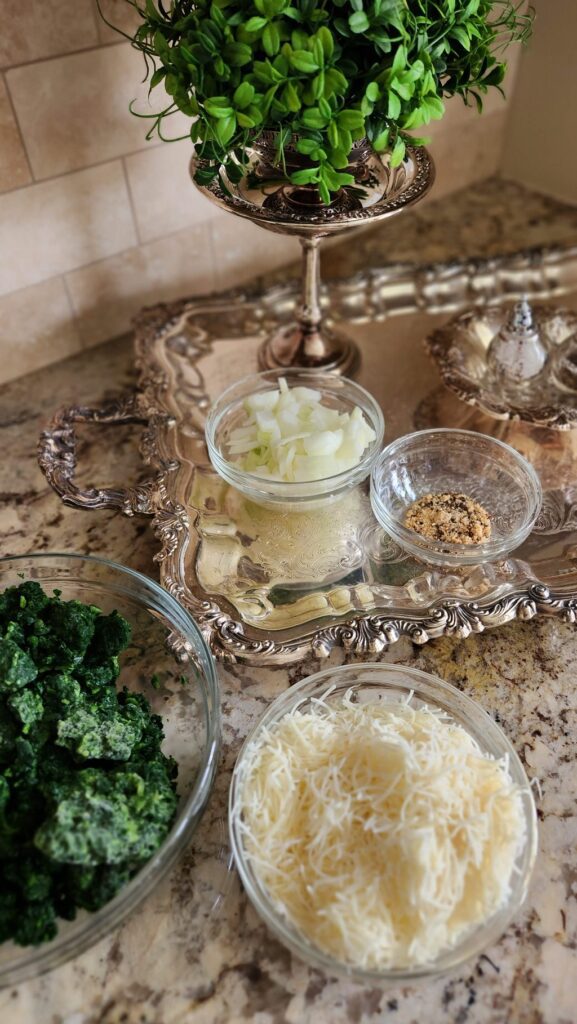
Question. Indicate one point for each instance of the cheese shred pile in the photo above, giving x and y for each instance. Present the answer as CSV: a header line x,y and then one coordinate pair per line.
x,y
382,832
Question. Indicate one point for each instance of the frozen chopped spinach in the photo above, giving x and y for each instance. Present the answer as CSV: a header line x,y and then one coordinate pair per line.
x,y
86,794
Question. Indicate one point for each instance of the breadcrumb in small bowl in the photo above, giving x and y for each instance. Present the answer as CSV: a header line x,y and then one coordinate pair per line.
x,y
454,497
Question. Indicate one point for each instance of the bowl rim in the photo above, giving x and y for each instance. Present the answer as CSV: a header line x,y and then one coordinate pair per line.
x,y
484,934
283,489
448,551
84,933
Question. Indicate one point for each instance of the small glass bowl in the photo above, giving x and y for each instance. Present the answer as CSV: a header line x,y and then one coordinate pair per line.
x,y
382,684
186,698
227,413
440,461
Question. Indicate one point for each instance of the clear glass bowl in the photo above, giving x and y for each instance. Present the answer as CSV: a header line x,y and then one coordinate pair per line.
x,y
187,701
385,683
227,413
437,461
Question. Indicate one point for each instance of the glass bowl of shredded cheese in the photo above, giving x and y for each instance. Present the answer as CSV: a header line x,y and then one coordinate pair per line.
x,y
294,439
455,497
382,824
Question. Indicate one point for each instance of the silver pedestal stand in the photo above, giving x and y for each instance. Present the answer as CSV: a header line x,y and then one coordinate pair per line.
x,y
379,192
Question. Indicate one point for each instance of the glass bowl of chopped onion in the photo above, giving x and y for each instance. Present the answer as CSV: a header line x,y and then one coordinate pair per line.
x,y
455,497
109,739
294,439
382,824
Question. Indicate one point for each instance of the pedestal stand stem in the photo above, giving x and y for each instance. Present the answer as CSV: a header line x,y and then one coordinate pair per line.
x,y
309,315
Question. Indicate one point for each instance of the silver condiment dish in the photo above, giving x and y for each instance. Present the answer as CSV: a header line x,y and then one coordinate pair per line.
x,y
544,349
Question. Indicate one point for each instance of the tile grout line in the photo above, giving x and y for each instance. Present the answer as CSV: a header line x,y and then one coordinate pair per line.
x,y
97,22
73,314
135,248
79,170
90,47
20,134
131,202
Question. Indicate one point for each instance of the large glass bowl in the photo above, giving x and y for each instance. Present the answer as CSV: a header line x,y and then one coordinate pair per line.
x,y
228,412
187,701
461,461
385,683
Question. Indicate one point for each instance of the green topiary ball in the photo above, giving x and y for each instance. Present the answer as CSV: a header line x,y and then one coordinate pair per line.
x,y
327,71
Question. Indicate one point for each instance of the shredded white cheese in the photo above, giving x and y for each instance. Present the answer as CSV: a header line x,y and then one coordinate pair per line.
x,y
381,831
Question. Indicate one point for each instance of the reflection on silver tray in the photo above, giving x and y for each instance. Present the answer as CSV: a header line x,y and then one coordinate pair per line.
x,y
461,350
271,588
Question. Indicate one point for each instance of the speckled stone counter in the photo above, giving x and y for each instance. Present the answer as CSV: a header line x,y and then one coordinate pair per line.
x,y
183,960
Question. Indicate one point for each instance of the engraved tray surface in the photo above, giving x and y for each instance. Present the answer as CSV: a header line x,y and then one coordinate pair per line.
x,y
270,586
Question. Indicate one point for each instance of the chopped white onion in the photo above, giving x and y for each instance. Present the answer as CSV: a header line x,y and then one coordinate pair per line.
x,y
291,436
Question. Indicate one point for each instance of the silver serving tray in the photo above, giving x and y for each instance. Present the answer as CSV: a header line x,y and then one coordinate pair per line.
x,y
270,587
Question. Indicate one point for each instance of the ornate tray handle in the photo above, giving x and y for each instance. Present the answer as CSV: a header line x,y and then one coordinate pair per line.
x,y
57,456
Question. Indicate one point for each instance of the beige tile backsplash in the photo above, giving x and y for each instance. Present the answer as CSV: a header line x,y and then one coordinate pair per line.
x,y
164,199
96,222
36,328
120,14
67,127
14,167
33,29
106,295
64,223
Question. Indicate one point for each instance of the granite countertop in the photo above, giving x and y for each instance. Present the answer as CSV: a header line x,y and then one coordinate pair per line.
x,y
183,960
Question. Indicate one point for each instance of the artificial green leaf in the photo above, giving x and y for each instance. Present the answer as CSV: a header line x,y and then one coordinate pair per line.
x,y
318,87
237,54
435,107
299,39
291,98
404,90
324,193
255,24
333,134
398,153
415,119
400,60
339,158
313,118
381,141
281,64
305,177
496,75
224,129
204,175
318,52
243,95
394,108
217,106
326,40
358,22
462,36
306,146
304,61
271,39
157,77
217,16
350,119
244,120
325,109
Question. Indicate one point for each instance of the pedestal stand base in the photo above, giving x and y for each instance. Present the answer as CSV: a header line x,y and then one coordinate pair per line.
x,y
325,349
